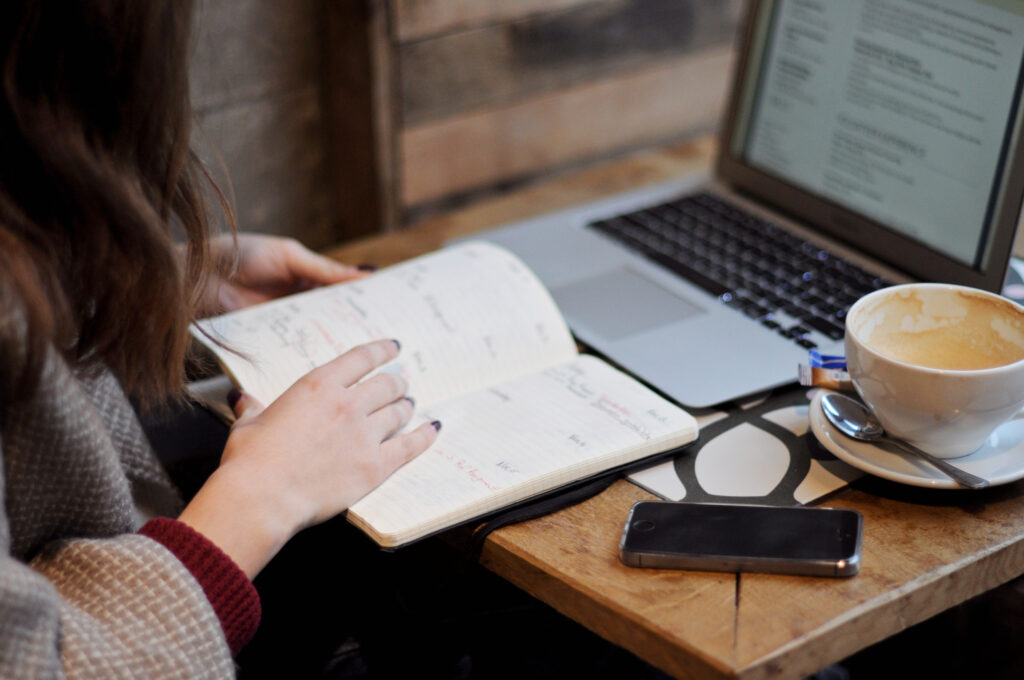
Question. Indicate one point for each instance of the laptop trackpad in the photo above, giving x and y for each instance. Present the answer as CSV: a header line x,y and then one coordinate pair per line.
x,y
621,303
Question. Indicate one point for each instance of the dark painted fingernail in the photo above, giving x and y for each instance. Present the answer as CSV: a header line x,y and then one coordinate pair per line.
x,y
436,425
398,345
411,401
367,267
233,396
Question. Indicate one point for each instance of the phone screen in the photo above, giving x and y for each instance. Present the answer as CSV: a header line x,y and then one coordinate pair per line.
x,y
741,537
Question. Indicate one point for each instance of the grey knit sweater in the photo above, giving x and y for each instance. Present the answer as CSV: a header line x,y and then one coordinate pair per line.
x,y
81,595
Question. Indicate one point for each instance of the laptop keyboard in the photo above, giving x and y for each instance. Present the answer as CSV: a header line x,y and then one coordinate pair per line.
x,y
790,285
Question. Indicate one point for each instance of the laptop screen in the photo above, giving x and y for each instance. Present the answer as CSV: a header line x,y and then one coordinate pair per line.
x,y
902,111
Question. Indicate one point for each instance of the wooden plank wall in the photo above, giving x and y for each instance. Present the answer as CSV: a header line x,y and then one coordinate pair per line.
x,y
491,93
339,118
417,19
256,89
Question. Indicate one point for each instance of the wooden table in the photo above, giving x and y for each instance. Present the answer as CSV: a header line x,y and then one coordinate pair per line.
x,y
924,551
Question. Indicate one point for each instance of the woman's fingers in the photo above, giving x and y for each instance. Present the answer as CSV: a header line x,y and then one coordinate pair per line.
x,y
379,391
353,365
388,420
303,263
402,448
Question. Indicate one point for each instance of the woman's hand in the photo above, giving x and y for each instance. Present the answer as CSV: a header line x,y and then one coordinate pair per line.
x,y
268,267
308,456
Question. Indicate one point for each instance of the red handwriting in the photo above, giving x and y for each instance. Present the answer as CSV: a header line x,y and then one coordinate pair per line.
x,y
471,471
480,480
605,401
323,332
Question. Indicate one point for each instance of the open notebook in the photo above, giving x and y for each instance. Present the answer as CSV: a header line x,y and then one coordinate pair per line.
x,y
486,352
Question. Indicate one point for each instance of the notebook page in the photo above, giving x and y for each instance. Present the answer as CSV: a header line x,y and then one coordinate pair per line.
x,y
466,317
519,439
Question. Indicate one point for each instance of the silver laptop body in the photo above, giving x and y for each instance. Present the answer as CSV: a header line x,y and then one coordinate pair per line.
x,y
892,142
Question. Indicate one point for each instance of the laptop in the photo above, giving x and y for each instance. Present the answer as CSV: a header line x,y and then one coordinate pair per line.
x,y
865,143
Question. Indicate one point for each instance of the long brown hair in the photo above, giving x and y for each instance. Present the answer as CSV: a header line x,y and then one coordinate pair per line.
x,y
96,173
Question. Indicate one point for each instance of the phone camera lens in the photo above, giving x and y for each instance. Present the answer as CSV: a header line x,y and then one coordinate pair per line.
x,y
643,525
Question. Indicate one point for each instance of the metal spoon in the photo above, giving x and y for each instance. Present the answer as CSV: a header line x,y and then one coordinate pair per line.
x,y
853,419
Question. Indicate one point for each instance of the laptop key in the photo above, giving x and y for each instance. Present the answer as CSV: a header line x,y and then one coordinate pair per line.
x,y
826,327
689,273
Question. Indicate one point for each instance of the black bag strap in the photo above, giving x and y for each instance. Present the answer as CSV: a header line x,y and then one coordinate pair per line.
x,y
538,508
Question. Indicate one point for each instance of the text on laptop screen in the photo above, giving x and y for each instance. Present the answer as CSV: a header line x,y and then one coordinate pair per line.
x,y
900,110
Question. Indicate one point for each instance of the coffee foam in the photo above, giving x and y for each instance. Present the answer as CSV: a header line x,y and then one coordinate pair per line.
x,y
944,329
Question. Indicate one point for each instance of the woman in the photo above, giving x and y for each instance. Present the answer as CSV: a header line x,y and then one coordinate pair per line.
x,y
95,303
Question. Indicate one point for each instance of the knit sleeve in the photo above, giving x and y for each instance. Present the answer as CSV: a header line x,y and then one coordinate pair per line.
x,y
115,607
229,590
81,596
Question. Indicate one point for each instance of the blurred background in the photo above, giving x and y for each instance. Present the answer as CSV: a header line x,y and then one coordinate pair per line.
x,y
341,118
336,119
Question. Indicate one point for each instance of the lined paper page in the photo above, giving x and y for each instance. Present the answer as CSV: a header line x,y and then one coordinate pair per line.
x,y
466,316
519,439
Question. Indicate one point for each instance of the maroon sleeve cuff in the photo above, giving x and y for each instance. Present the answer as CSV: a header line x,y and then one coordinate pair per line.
x,y
234,598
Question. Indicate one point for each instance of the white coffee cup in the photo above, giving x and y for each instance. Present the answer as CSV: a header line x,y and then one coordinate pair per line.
x,y
941,366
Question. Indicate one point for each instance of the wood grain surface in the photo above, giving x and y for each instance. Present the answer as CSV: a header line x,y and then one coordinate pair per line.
x,y
501,63
256,91
418,19
924,550
541,133
358,98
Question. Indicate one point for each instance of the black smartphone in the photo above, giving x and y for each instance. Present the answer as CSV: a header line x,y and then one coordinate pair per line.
x,y
720,537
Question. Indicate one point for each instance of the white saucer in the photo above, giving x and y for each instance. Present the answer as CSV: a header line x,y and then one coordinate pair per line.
x,y
1000,460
